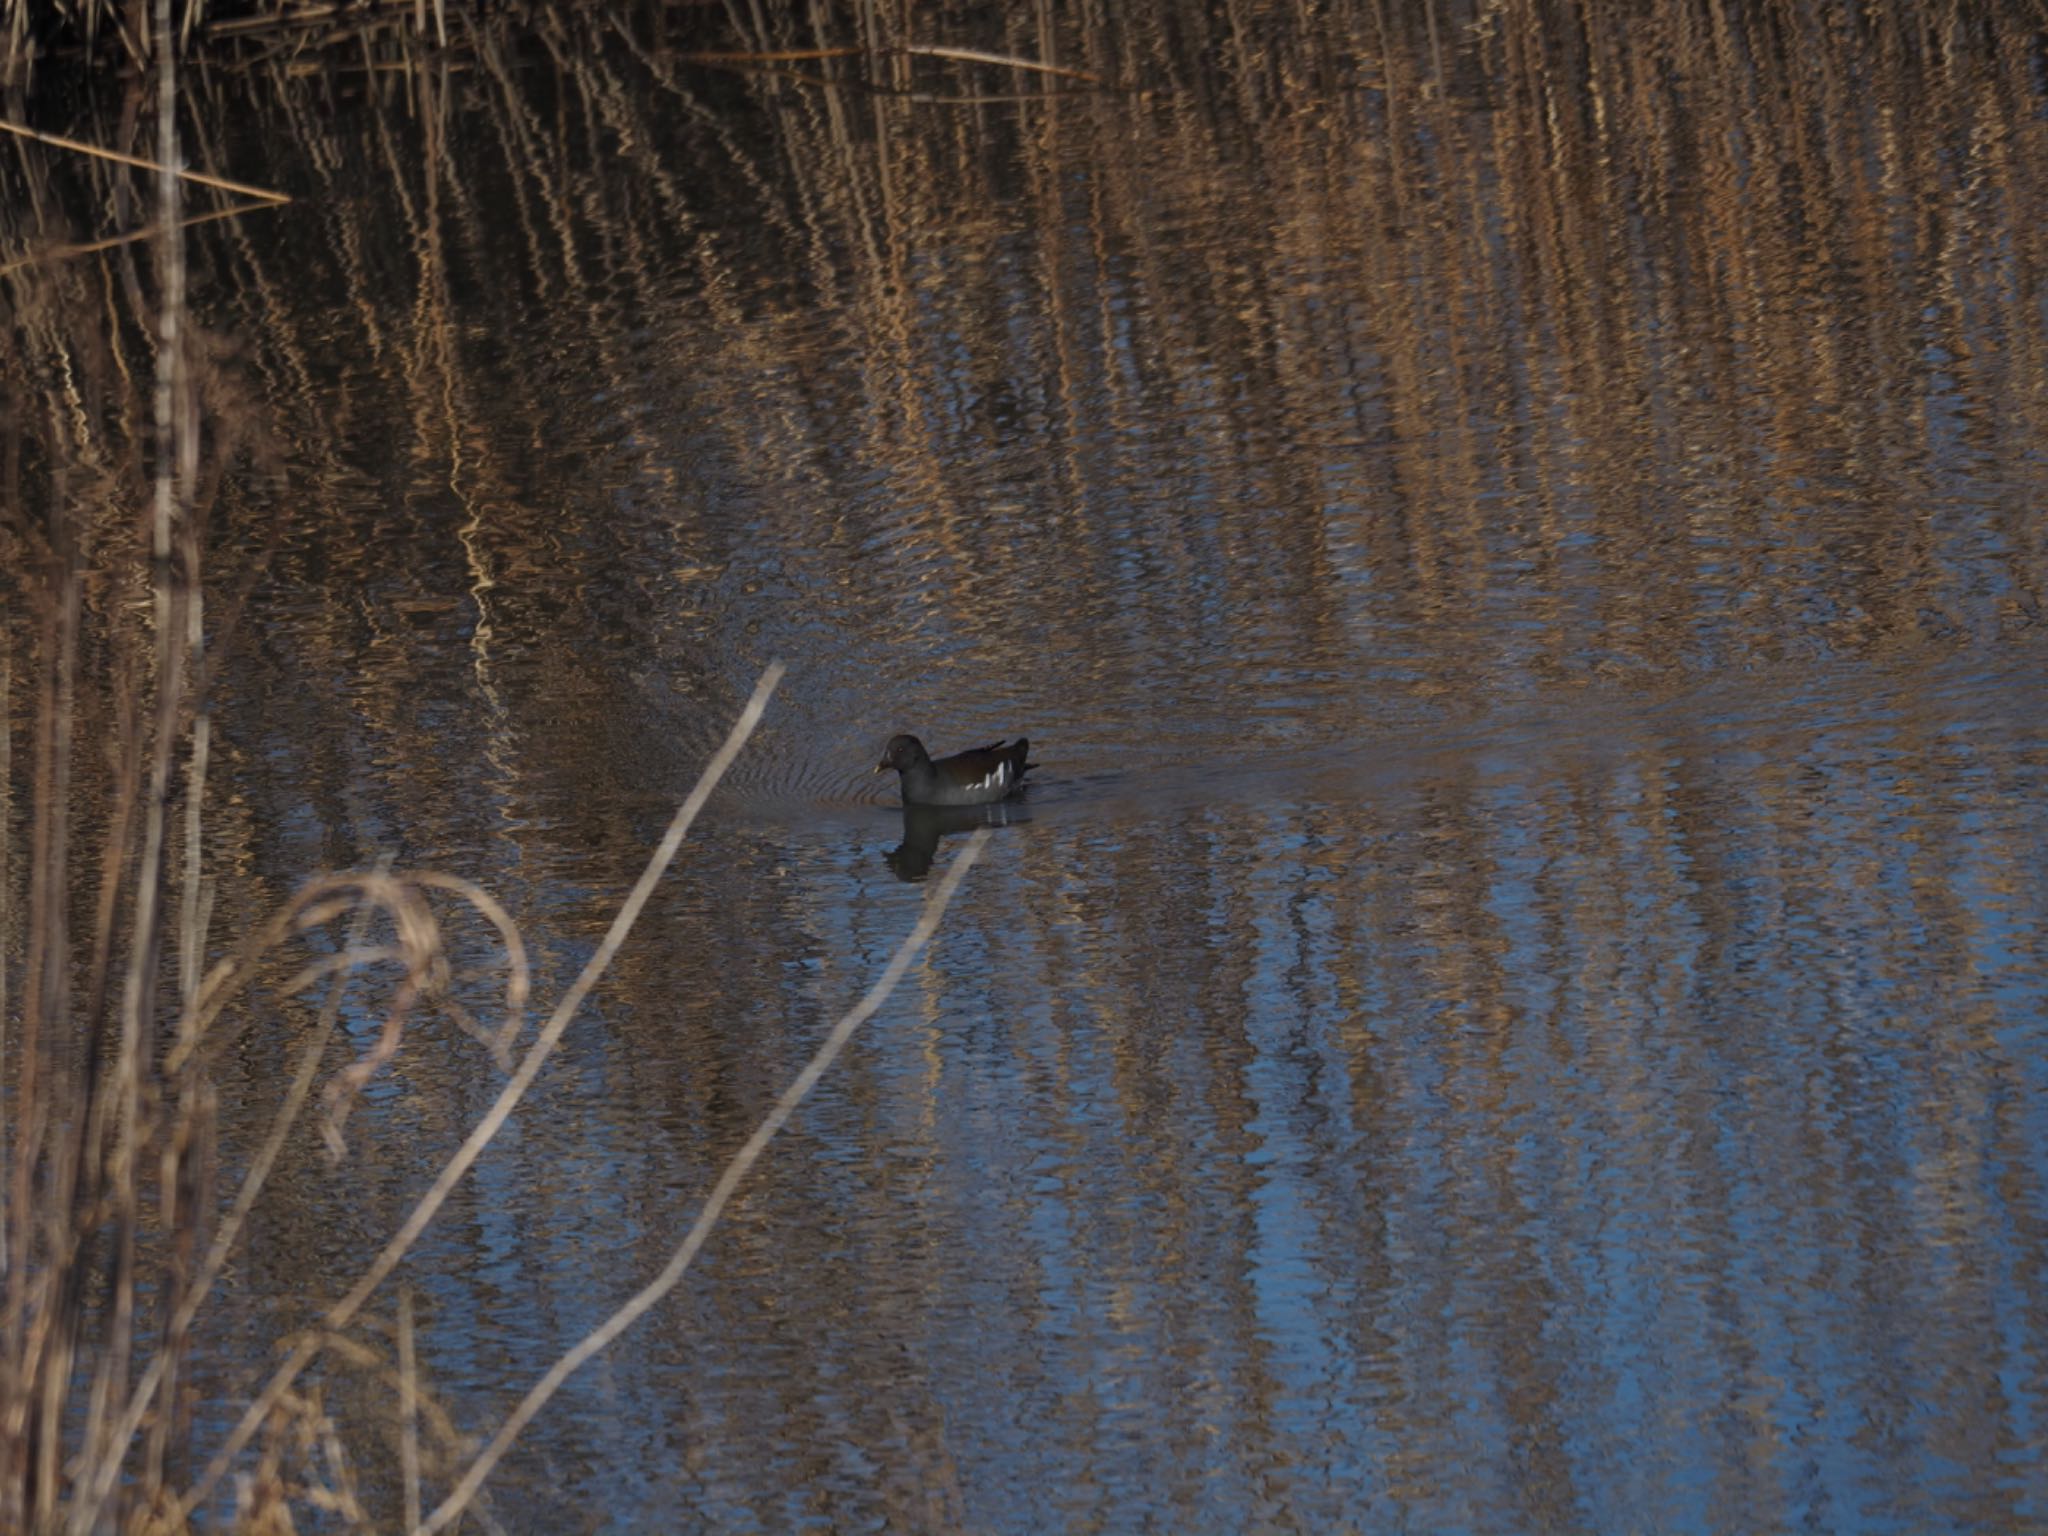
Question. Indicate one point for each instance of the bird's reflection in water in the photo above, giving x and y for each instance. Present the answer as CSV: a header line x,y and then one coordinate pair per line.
x,y
924,825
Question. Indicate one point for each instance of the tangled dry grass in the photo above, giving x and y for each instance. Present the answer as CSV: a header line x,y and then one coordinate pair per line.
x,y
120,1210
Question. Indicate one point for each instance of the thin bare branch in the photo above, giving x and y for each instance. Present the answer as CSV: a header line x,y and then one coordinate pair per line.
x,y
199,178
771,56
911,50
343,1311
736,1170
1007,60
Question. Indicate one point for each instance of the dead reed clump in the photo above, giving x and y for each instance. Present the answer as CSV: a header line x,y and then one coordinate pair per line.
x,y
128,31
117,1214
117,1217
122,440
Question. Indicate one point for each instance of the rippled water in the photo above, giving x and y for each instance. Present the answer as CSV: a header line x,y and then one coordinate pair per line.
x,y
1516,998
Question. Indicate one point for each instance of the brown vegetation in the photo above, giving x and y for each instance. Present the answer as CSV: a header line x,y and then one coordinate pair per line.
x,y
1586,163
113,1234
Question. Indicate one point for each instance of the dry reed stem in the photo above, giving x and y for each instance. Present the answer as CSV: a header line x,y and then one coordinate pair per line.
x,y
6,886
320,901
170,527
736,1170
306,16
1008,61
44,999
419,948
1001,99
429,1414
770,55
148,231
21,130
140,1400
379,11
408,1411
343,1311
519,985
908,50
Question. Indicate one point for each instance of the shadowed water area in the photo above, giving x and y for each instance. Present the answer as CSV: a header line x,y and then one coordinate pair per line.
x,y
1515,998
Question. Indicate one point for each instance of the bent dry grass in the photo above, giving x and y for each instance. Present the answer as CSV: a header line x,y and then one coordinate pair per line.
x,y
119,1005
113,1023
99,1145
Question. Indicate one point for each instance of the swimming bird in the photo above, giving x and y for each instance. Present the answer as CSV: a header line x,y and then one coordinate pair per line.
x,y
979,776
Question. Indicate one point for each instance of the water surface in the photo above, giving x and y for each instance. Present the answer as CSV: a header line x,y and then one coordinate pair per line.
x,y
1516,1000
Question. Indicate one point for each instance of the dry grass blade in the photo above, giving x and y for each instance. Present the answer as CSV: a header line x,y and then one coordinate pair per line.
x,y
198,178
303,16
771,56
408,1411
912,50
343,1311
999,99
515,956
1007,60
148,231
143,1398
736,1170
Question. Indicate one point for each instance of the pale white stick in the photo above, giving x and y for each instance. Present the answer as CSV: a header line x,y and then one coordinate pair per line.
x,y
743,1160
343,1311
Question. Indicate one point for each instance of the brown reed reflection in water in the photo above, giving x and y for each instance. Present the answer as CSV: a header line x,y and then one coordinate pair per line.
x,y
1518,527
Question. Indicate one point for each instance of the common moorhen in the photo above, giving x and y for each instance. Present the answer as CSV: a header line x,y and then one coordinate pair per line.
x,y
979,776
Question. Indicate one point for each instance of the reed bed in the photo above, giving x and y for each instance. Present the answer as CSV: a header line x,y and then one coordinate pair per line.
x,y
128,969
116,1217
120,995
300,38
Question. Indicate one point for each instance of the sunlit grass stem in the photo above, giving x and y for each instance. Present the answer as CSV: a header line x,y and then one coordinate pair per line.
x,y
344,1311
736,1170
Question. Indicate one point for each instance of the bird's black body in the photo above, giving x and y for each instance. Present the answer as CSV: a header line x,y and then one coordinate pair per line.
x,y
979,776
